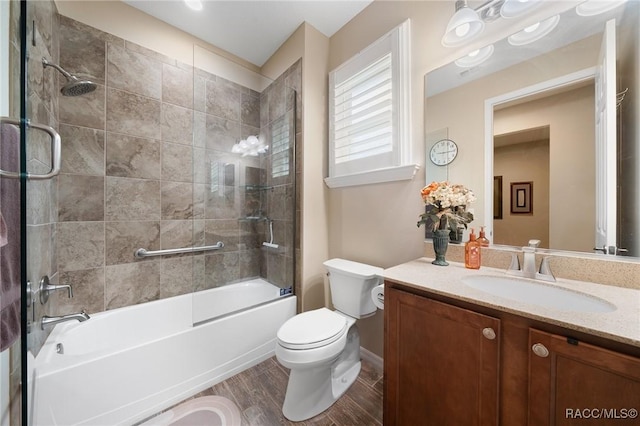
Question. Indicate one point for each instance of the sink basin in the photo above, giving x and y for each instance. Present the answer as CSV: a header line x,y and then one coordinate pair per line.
x,y
536,293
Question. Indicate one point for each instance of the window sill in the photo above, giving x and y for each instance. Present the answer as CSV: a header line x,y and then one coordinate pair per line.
x,y
390,174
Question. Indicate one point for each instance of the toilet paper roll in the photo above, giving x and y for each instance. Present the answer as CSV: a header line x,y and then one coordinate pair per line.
x,y
377,294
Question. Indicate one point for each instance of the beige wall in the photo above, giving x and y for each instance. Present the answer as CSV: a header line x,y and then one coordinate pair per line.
x,y
570,116
376,223
313,47
523,162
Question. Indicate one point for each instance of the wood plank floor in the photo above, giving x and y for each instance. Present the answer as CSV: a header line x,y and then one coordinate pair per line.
x,y
259,393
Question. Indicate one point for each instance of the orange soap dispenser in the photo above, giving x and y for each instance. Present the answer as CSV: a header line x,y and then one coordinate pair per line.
x,y
472,252
482,239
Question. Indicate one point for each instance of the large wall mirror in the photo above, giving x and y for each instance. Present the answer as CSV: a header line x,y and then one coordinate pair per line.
x,y
548,135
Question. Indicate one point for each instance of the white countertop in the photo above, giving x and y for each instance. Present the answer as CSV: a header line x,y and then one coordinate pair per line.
x,y
622,325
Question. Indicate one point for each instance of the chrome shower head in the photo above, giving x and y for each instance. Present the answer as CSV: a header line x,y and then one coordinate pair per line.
x,y
74,86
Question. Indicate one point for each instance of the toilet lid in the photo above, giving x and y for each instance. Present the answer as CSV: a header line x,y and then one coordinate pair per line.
x,y
312,329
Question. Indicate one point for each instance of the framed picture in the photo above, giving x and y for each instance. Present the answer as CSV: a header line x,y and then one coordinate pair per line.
x,y
497,197
521,197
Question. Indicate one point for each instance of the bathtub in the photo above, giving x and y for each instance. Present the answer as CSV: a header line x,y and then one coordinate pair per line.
x,y
124,365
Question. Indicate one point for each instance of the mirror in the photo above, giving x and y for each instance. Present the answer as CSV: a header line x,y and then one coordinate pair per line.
x,y
507,117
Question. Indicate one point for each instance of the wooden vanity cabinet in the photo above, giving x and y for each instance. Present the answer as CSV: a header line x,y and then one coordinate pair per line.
x,y
440,362
571,383
442,368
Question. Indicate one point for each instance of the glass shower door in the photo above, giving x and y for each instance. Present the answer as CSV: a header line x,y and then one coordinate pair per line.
x,y
30,157
11,344
244,187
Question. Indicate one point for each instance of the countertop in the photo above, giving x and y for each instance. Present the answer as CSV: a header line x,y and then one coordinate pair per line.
x,y
622,324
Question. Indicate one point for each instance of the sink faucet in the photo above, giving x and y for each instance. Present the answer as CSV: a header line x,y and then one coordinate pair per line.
x,y
46,320
529,259
529,264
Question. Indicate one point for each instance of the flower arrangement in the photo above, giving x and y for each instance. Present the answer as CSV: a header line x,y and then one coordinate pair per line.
x,y
449,205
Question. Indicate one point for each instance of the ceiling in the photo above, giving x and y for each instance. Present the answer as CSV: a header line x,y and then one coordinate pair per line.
x,y
252,29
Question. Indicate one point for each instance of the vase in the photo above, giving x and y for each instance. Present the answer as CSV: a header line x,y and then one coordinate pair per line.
x,y
440,245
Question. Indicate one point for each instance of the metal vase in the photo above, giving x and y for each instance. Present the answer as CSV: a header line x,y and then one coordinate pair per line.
x,y
440,245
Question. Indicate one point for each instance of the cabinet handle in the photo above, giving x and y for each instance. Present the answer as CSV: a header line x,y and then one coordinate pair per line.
x,y
540,350
489,333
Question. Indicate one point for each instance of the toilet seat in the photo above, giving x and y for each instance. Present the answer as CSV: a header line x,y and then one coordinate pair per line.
x,y
312,329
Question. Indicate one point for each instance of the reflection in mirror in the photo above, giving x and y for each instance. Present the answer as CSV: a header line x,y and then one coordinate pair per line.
x,y
542,140
542,136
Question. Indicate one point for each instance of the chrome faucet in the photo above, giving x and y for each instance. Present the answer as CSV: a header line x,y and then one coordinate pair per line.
x,y
46,320
529,259
529,264
46,287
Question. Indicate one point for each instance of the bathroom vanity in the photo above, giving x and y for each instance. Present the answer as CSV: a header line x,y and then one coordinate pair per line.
x,y
454,354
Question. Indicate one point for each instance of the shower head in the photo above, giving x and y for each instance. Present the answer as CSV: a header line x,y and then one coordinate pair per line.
x,y
74,86
77,87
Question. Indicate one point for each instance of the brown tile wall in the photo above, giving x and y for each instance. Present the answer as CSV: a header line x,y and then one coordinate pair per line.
x,y
137,172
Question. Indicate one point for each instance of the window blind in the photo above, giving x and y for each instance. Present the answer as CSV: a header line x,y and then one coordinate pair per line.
x,y
363,112
280,147
370,114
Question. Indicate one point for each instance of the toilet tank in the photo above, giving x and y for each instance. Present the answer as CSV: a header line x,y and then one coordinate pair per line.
x,y
351,284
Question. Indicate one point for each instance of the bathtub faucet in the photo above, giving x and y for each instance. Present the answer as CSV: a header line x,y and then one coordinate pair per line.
x,y
46,320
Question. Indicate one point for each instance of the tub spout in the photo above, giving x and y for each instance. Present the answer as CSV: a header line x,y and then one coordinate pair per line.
x,y
46,320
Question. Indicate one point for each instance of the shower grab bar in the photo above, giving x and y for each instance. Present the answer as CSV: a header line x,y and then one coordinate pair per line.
x,y
56,151
140,253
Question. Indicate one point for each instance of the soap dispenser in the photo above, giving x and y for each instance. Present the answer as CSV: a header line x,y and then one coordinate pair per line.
x,y
472,252
482,239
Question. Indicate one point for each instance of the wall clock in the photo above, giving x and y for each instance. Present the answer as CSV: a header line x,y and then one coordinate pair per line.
x,y
443,152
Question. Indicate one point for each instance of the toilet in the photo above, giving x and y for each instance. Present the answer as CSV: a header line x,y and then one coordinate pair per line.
x,y
322,347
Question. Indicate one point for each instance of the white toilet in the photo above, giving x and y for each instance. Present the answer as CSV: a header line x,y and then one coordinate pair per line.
x,y
322,347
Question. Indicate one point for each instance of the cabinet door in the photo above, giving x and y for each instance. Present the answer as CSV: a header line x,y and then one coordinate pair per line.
x,y
572,382
440,363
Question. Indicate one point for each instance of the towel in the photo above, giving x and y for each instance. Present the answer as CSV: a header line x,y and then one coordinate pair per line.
x,y
9,252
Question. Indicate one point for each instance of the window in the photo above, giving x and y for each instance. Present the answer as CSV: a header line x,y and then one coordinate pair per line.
x,y
369,120
280,147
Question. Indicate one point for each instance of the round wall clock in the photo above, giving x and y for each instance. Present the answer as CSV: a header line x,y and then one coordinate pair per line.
x,y
443,152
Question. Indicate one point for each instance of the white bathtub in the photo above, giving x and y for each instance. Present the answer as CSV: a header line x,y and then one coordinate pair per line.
x,y
126,364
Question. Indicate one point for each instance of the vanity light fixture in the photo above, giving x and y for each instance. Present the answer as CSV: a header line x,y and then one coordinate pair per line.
x,y
596,7
193,4
476,57
534,32
513,8
464,25
251,146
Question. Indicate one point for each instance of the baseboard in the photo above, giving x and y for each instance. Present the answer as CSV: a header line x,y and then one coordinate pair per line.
x,y
375,360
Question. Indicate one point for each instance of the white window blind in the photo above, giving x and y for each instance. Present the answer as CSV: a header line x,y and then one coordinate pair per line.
x,y
280,147
369,119
363,113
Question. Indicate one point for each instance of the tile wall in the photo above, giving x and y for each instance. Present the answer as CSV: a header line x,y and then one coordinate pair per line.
x,y
147,163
